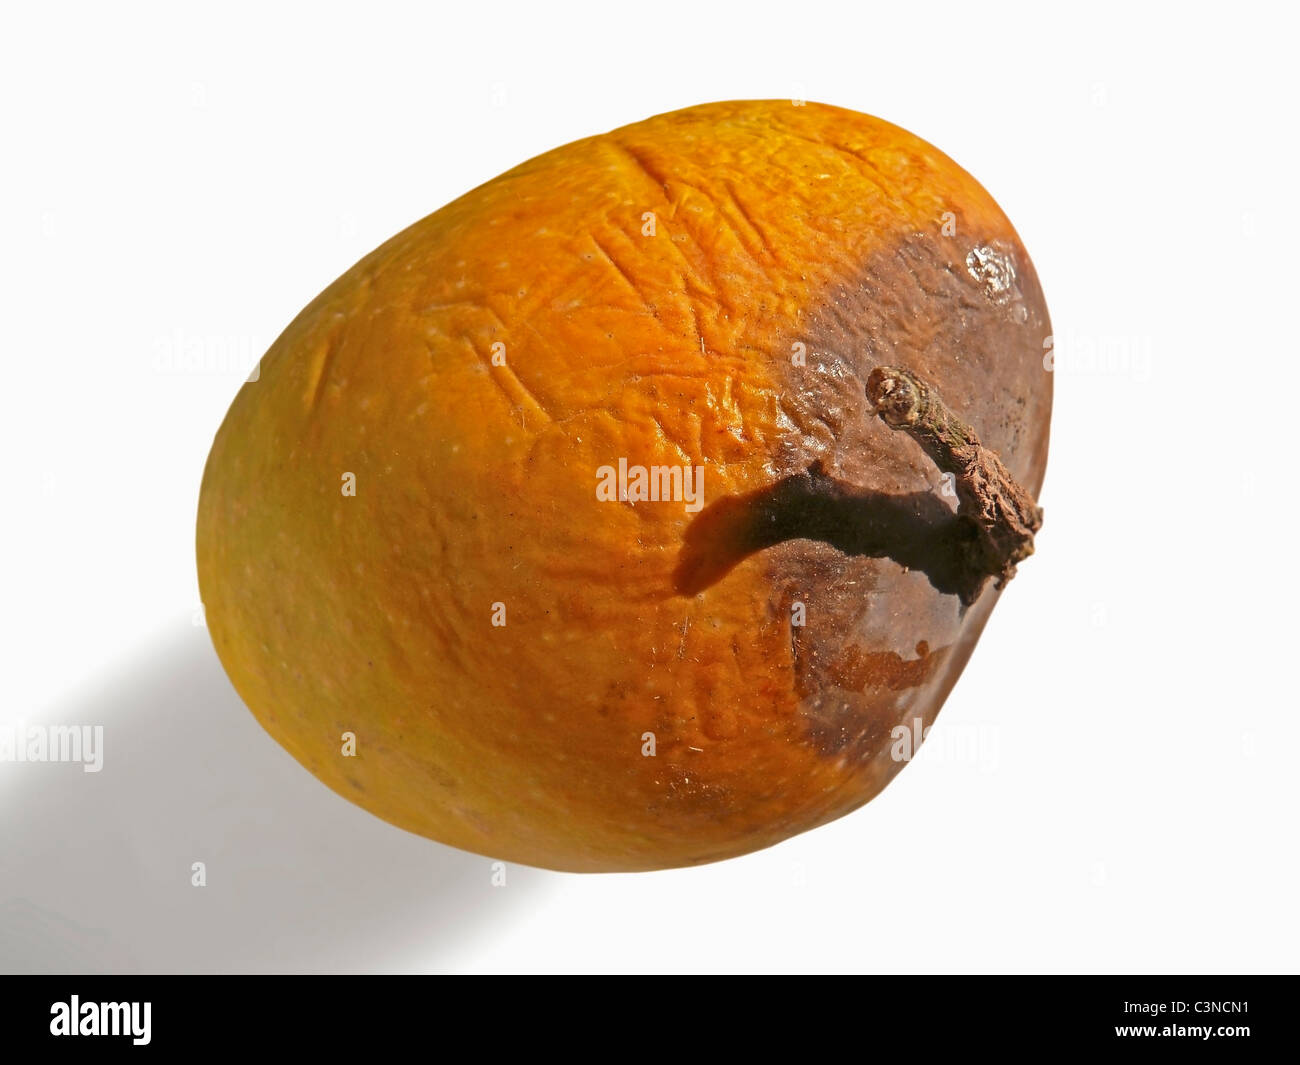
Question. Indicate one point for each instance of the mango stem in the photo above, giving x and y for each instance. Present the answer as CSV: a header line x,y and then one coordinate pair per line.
x,y
1002,516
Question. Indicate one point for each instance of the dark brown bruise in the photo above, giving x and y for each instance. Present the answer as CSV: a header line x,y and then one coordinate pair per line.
x,y
859,526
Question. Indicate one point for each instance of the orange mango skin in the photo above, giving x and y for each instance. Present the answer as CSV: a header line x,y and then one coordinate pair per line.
x,y
475,484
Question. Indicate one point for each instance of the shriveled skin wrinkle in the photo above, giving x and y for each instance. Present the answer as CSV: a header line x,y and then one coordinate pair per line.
x,y
647,290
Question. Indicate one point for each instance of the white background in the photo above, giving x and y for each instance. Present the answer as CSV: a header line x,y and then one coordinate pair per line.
x,y
1111,786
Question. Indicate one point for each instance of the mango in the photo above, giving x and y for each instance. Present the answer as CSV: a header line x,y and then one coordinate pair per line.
x,y
571,527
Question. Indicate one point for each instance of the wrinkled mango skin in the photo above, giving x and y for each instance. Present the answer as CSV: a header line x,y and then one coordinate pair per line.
x,y
541,675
